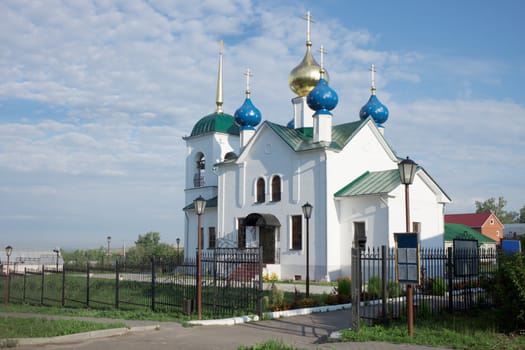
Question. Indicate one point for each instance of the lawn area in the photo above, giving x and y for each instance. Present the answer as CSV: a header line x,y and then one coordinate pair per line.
x,y
476,330
136,314
15,327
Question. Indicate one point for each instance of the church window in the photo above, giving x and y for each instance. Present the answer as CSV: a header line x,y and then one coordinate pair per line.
x,y
198,178
276,188
261,186
211,237
241,234
297,232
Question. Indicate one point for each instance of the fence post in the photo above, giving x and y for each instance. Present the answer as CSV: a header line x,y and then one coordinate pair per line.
x,y
356,287
42,287
384,284
153,283
450,272
25,284
261,285
87,284
117,284
63,285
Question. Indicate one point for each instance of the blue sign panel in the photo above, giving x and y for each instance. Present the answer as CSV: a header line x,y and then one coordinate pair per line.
x,y
407,257
510,246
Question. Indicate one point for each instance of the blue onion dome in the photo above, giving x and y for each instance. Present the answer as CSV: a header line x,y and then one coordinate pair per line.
x,y
375,109
291,124
322,99
247,116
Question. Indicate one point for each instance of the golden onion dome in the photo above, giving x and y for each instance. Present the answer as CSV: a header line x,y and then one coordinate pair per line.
x,y
306,75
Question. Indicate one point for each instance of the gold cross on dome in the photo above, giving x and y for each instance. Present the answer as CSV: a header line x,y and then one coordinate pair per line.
x,y
322,51
309,20
248,74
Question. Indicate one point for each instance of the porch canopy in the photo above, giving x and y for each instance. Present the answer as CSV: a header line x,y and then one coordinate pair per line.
x,y
256,219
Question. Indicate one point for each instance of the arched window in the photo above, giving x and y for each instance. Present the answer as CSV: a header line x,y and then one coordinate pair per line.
x,y
261,197
198,178
276,188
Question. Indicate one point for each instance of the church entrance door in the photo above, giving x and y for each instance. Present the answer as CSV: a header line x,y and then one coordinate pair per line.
x,y
267,224
267,242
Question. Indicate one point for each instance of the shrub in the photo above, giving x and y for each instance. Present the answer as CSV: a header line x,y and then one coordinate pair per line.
x,y
393,289
508,290
374,287
306,302
439,286
270,278
332,299
344,286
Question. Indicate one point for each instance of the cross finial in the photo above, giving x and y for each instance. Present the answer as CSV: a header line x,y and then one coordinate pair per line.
x,y
322,51
309,20
219,100
372,78
248,74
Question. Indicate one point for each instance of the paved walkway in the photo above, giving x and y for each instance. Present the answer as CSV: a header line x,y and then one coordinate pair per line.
x,y
304,332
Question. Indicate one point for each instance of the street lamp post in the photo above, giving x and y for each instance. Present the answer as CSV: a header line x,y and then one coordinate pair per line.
x,y
199,204
178,251
8,251
57,252
307,212
109,241
407,171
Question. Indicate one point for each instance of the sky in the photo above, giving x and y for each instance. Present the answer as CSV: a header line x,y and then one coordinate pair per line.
x,y
96,96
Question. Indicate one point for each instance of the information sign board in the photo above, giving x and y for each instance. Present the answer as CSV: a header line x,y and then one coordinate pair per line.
x,y
407,257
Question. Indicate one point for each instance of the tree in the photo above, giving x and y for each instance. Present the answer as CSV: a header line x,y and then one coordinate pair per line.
x,y
497,208
148,245
522,215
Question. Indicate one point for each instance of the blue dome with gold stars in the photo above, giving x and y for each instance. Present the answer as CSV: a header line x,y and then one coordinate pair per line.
x,y
322,99
247,116
375,109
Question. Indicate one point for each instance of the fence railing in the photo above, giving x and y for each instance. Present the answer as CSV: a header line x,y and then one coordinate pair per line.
x,y
231,284
449,280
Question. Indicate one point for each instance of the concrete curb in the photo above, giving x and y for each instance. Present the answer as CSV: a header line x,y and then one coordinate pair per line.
x,y
75,338
269,315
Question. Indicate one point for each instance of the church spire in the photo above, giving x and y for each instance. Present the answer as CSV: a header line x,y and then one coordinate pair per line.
x,y
219,100
304,77
372,79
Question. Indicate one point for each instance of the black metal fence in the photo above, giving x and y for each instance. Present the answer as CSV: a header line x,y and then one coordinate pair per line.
x,y
231,284
451,280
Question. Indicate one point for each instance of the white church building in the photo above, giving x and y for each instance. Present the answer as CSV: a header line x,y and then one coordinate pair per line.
x,y
266,172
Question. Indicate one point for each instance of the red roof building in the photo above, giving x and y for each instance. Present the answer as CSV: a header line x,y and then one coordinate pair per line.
x,y
485,223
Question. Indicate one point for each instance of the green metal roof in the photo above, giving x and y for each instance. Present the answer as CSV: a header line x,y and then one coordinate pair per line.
x,y
459,231
375,182
302,139
216,122
210,203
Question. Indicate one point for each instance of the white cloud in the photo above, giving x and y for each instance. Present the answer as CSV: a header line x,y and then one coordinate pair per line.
x,y
125,80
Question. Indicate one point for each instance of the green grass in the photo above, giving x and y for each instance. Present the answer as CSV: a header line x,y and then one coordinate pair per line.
x,y
476,330
269,345
137,314
15,327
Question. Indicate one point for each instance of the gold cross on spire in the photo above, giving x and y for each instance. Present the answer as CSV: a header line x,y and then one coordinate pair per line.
x,y
248,74
322,51
372,79
309,20
219,100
